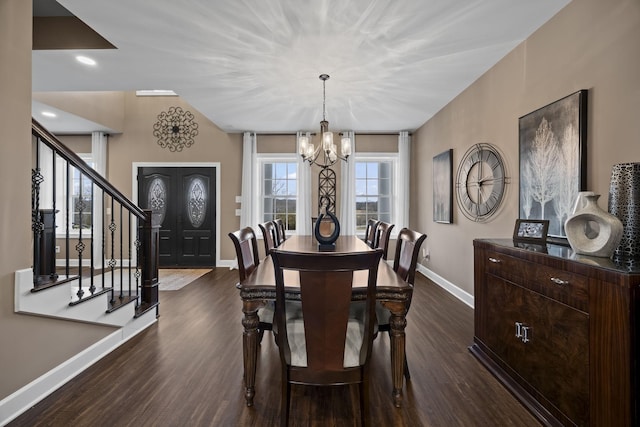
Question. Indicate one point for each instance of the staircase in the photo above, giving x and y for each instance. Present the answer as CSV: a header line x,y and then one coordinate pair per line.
x,y
108,274
115,242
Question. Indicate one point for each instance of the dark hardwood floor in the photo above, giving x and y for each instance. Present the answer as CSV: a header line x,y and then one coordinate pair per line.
x,y
186,370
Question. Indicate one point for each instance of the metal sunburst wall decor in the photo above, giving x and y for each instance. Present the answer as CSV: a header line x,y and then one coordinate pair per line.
x,y
175,129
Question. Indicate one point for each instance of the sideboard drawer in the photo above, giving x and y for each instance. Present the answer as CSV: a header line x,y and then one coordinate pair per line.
x,y
506,267
569,288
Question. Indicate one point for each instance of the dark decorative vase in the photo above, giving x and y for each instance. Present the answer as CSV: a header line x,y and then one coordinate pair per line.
x,y
624,202
327,229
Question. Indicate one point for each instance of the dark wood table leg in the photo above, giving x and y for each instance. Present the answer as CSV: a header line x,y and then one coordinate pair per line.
x,y
397,323
250,347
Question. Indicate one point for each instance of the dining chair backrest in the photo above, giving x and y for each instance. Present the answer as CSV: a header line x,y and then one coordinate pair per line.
x,y
246,245
325,346
370,232
269,235
281,234
407,251
382,237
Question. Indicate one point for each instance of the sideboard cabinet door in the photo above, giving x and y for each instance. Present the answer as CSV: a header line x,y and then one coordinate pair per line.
x,y
544,342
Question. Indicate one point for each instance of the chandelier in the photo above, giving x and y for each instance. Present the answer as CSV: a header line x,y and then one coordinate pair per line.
x,y
327,148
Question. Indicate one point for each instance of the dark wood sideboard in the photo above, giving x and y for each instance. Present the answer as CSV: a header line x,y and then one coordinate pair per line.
x,y
559,330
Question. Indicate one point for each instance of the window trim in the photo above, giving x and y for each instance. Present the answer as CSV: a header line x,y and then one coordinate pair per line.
x,y
394,159
258,199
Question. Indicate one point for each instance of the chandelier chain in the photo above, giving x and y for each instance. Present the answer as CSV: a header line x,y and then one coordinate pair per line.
x,y
324,99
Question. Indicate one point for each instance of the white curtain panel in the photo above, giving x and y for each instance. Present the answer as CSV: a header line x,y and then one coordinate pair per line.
x,y
404,163
247,208
249,161
348,191
303,204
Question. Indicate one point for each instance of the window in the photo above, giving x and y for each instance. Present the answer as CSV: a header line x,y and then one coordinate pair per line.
x,y
374,184
80,202
279,190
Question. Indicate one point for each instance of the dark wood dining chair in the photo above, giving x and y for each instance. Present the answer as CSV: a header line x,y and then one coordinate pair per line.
x,y
322,345
382,237
282,236
246,245
370,232
404,264
269,235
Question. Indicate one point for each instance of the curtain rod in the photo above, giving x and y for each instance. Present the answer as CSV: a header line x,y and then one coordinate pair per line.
x,y
341,133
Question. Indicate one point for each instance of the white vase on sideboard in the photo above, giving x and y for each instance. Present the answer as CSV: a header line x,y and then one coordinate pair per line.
x,y
591,230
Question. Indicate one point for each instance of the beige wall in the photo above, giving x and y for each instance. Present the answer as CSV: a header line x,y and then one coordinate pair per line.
x,y
76,143
137,144
29,346
590,44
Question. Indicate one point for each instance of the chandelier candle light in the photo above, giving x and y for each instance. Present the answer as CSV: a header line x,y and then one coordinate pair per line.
x,y
329,150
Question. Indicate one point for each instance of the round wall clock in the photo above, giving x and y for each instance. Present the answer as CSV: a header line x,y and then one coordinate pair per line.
x,y
481,182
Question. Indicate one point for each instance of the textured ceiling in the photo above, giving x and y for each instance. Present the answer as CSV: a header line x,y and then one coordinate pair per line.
x,y
254,64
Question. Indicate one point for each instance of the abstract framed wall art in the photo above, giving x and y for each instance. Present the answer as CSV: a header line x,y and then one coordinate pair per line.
x,y
443,187
553,161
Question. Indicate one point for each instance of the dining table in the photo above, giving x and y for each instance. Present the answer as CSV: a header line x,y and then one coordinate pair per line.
x,y
259,288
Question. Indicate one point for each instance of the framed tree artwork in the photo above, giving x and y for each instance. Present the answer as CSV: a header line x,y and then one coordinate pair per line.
x,y
553,161
443,187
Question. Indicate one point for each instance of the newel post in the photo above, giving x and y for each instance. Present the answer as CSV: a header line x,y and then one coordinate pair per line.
x,y
150,239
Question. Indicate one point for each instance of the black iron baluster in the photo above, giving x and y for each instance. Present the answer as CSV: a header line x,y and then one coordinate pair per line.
x,y
54,274
92,288
68,214
138,274
80,246
112,261
37,226
130,259
104,221
121,256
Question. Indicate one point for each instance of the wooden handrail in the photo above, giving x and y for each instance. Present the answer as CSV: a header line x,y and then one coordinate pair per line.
x,y
49,139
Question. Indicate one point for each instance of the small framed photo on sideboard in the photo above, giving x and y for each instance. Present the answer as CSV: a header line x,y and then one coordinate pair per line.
x,y
531,230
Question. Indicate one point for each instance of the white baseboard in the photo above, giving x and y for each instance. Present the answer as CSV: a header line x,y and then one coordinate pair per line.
x,y
462,295
231,263
23,399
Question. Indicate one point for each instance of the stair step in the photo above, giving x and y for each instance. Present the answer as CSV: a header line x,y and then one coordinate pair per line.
x,y
118,302
87,294
47,282
144,308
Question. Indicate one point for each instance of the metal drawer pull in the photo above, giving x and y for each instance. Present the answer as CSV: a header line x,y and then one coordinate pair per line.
x,y
559,281
519,330
494,260
525,334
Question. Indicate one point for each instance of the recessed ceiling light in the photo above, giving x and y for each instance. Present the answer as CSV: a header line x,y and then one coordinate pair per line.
x,y
85,60
48,114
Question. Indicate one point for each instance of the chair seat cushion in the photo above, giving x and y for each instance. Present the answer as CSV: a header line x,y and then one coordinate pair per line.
x,y
357,308
265,314
297,344
382,315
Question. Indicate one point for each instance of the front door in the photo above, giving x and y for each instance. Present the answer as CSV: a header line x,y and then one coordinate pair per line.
x,y
183,203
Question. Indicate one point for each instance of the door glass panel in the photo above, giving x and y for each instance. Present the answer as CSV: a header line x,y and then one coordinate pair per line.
x,y
157,200
196,202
